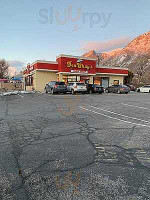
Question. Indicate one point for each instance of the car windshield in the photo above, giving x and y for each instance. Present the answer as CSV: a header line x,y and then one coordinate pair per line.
x,y
146,86
70,84
80,84
123,86
60,83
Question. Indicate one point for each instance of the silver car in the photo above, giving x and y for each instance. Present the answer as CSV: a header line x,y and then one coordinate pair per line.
x,y
76,87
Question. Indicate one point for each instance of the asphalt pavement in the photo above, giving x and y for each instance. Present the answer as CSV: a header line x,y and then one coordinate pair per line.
x,y
75,147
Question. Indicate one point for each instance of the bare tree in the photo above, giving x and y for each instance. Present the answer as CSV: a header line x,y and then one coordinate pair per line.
x,y
141,67
3,68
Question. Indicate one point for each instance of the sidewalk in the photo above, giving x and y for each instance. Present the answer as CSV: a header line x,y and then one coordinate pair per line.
x,y
17,92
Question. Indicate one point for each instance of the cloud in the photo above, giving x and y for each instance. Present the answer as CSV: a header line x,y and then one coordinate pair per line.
x,y
17,64
102,46
15,67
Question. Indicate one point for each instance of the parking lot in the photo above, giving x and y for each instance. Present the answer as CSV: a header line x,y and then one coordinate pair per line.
x,y
66,147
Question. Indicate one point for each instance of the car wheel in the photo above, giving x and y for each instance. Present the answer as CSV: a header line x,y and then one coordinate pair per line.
x,y
138,90
72,92
126,93
52,91
90,92
46,91
107,91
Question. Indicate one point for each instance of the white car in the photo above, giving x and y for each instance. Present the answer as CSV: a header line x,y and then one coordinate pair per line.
x,y
76,87
145,88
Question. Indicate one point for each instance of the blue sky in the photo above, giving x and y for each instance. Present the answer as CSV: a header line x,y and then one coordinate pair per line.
x,y
36,29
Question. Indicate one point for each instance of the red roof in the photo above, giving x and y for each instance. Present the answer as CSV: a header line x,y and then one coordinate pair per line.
x,y
4,80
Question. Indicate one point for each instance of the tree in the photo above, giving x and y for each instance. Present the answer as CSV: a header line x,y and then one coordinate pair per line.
x,y
141,67
129,78
3,68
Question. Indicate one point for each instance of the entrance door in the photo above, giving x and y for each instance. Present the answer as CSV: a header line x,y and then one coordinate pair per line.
x,y
105,82
85,79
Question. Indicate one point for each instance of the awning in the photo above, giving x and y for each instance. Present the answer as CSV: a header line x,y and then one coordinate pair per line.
x,y
16,79
4,80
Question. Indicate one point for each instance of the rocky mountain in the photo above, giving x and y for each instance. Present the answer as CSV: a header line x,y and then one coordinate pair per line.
x,y
103,56
135,56
90,54
12,71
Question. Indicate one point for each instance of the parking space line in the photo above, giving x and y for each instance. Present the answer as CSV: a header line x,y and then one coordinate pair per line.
x,y
142,120
114,118
135,106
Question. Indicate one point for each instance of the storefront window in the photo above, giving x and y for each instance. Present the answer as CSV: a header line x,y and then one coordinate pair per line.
x,y
105,82
116,82
29,81
78,78
97,80
85,79
72,78
65,79
69,79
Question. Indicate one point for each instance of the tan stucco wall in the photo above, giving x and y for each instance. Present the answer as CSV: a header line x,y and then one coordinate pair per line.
x,y
42,78
10,86
34,80
29,88
112,78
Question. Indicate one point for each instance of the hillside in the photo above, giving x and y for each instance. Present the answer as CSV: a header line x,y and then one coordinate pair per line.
x,y
135,56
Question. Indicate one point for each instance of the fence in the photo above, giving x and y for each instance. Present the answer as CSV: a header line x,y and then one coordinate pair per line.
x,y
10,86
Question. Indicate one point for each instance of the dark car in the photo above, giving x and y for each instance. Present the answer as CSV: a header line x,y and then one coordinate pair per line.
x,y
132,87
56,87
120,89
94,88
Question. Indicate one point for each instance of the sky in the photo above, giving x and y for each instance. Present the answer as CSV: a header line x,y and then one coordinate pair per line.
x,y
43,29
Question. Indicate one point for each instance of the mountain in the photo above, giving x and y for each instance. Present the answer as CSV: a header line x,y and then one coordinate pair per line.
x,y
135,56
12,71
141,44
103,56
90,54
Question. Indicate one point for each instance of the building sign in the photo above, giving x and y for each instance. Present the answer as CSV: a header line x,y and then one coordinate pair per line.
x,y
31,68
78,65
79,71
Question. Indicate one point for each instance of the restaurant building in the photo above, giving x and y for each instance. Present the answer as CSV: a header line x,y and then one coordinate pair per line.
x,y
69,68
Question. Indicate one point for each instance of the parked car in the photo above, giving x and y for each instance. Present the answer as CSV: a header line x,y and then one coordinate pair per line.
x,y
76,87
132,87
70,87
95,88
56,87
145,88
120,89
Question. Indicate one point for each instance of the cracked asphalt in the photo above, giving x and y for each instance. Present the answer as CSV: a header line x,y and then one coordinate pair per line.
x,y
72,147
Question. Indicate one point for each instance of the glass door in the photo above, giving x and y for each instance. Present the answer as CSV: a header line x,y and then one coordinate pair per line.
x,y
105,82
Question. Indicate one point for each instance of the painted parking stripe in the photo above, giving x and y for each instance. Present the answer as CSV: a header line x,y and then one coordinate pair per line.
x,y
142,125
135,106
142,120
